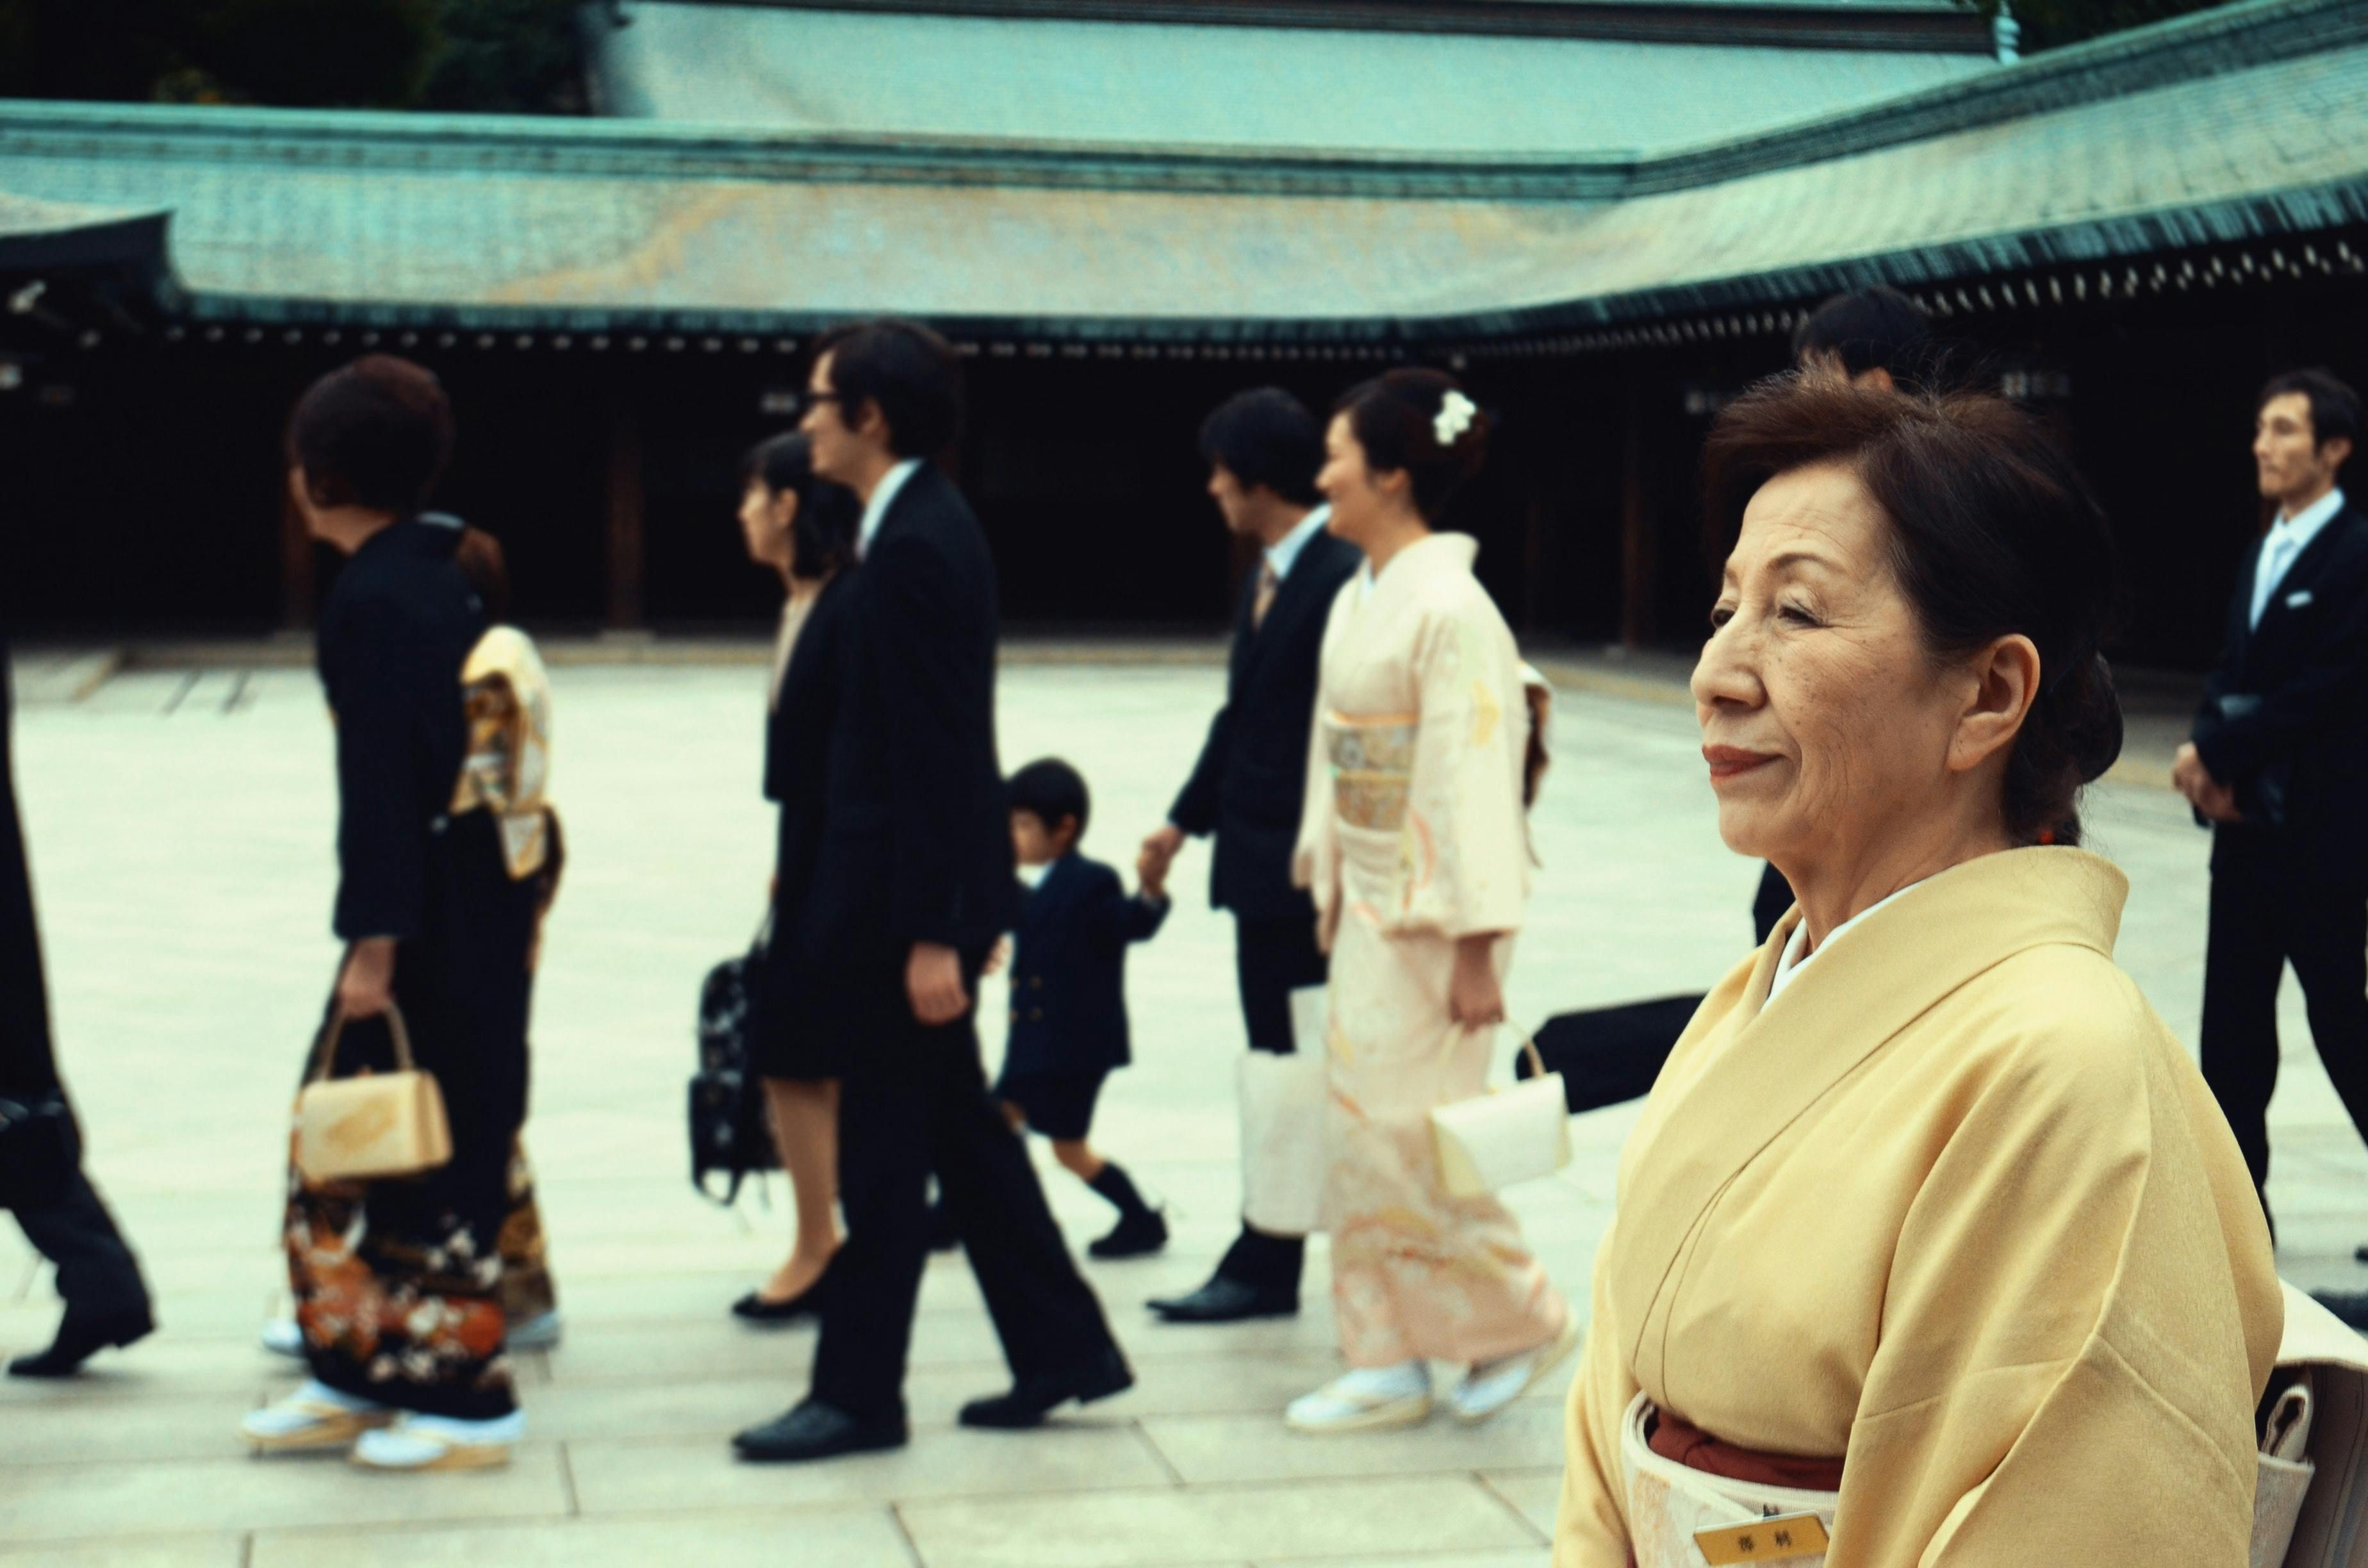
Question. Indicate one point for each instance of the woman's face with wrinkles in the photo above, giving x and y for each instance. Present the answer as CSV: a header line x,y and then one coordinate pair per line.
x,y
1825,723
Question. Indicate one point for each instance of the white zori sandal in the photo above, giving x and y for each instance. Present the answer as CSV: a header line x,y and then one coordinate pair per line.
x,y
436,1442
316,1417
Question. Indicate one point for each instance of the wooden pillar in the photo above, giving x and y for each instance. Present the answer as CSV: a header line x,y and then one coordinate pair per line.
x,y
300,601
627,604
1636,574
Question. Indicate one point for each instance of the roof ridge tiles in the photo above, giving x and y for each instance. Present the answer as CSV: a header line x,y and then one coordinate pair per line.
x,y
2246,35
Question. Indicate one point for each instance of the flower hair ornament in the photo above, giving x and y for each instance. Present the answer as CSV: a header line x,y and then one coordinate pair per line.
x,y
1455,414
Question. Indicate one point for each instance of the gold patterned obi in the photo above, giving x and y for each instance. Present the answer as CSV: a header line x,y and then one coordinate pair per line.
x,y
1373,763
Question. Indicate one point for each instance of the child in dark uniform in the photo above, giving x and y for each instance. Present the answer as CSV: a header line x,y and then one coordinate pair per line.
x,y
1068,990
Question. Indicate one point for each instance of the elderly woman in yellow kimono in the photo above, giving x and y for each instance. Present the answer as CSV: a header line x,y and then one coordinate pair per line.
x,y
1415,846
1931,1246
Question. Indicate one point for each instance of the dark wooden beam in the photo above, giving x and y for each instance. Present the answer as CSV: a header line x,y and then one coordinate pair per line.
x,y
300,597
628,605
1636,577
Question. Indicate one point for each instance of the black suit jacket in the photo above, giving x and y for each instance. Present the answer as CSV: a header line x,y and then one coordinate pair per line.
x,y
797,747
1068,970
27,1064
1251,780
395,629
2305,732
916,841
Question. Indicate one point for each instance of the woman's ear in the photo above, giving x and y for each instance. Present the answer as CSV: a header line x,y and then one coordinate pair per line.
x,y
2004,680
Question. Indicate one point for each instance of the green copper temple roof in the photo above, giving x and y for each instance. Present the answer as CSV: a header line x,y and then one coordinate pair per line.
x,y
1227,86
2248,120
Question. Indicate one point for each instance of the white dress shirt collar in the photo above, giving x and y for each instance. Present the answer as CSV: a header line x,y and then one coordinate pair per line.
x,y
1284,553
883,494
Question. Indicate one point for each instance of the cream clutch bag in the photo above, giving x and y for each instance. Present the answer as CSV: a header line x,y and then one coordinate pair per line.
x,y
1502,1138
371,1126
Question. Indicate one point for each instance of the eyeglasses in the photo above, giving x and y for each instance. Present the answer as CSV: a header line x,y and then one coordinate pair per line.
x,y
807,401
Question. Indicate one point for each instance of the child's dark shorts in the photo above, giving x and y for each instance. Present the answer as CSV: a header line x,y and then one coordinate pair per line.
x,y
1058,1105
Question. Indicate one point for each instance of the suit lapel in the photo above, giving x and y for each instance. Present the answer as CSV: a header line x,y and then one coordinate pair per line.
x,y
2301,576
1293,597
1748,1068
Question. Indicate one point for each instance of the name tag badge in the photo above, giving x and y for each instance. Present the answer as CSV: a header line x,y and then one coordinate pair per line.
x,y
2297,601
1763,1541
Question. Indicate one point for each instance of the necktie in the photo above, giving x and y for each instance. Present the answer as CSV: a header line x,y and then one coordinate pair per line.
x,y
1268,584
2275,558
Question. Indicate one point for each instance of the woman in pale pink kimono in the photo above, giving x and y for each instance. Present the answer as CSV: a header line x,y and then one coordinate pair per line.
x,y
1414,844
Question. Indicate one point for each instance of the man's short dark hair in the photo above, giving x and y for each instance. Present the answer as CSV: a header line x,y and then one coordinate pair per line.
x,y
1870,329
1049,790
375,433
1266,437
2334,407
912,375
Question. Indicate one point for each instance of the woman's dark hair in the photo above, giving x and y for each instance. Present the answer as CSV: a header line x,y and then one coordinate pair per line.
x,y
375,433
1394,416
1873,329
1049,790
1993,533
1266,437
2334,407
479,556
912,375
821,535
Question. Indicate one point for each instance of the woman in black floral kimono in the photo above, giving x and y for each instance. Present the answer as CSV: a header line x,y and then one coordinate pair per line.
x,y
398,1282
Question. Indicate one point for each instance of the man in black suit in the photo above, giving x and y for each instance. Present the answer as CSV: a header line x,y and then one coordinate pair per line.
x,y
1263,449
2279,764
913,883
105,1302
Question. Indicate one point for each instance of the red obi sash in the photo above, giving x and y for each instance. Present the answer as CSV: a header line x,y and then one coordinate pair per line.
x,y
1696,1449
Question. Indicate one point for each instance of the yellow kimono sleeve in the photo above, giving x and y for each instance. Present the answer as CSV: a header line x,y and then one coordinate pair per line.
x,y
2073,1336
1591,1522
1463,851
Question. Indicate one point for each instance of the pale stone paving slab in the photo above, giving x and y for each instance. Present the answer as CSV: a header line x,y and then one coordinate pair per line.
x,y
1123,1529
824,1538
682,1474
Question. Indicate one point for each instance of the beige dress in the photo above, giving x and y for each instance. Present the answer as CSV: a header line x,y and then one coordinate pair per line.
x,y
1955,1209
1413,836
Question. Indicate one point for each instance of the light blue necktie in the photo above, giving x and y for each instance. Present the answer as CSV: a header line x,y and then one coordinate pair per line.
x,y
2276,556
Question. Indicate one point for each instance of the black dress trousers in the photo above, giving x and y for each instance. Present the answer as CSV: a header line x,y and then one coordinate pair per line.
x,y
2262,919
917,1102
1271,960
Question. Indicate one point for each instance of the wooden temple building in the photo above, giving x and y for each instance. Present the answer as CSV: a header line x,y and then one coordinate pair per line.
x,y
1606,214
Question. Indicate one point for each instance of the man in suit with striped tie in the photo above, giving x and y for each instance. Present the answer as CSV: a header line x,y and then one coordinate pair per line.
x,y
1263,449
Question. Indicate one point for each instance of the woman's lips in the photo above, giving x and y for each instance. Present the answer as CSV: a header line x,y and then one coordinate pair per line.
x,y
1733,762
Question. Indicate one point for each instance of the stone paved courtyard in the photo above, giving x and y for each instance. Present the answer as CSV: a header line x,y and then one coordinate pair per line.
x,y
180,827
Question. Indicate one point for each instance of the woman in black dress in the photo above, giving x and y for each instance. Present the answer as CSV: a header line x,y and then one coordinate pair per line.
x,y
803,527
397,1282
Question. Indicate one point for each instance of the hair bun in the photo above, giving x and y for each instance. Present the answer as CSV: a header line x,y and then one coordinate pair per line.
x,y
2087,718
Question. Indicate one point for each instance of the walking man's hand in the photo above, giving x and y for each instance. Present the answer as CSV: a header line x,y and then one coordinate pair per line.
x,y
933,980
1159,852
366,986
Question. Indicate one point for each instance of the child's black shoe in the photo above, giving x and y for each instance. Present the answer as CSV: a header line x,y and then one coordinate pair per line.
x,y
1137,1234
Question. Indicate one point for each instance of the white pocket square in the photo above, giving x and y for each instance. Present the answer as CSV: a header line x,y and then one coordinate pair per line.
x,y
2297,601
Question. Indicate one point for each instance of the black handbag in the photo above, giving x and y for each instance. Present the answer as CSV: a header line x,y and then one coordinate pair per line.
x,y
730,1133
37,1150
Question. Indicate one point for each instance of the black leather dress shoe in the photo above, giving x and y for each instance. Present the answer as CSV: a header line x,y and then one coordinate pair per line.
x,y
79,1340
814,1430
753,1308
1032,1399
1229,1301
